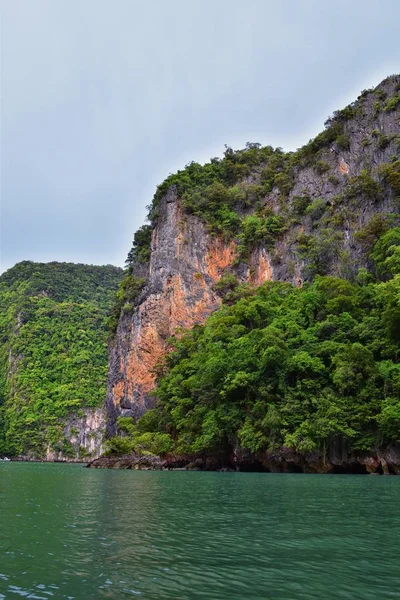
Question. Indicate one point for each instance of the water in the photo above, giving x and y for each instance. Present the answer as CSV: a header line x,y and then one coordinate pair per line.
x,y
75,533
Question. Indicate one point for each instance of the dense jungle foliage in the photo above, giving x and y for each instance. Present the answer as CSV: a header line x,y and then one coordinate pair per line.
x,y
284,366
53,350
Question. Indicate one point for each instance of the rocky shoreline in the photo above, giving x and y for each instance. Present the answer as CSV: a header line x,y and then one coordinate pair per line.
x,y
285,460
31,459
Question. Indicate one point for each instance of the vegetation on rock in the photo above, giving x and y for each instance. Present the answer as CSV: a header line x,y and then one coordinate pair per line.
x,y
53,350
237,196
305,367
282,366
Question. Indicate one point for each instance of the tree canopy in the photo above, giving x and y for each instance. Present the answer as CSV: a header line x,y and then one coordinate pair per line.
x,y
53,350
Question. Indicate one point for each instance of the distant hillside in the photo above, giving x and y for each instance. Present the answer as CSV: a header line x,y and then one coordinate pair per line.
x,y
53,357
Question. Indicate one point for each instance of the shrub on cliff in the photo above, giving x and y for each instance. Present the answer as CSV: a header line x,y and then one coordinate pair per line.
x,y
391,175
127,294
386,253
137,439
257,230
141,246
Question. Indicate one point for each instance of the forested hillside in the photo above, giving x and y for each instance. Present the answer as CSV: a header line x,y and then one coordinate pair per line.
x,y
53,355
280,366
302,249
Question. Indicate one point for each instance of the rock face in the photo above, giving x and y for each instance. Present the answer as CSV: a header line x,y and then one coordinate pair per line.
x,y
337,461
185,264
84,432
186,261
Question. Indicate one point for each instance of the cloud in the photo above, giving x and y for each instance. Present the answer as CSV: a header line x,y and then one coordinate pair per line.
x,y
101,100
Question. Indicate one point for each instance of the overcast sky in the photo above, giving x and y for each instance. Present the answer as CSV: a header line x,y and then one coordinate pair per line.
x,y
102,99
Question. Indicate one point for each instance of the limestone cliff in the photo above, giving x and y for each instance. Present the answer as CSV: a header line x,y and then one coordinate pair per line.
x,y
83,433
53,359
342,171
185,263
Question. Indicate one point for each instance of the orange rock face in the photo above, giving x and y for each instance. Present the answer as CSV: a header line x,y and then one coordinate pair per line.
x,y
185,264
260,267
219,257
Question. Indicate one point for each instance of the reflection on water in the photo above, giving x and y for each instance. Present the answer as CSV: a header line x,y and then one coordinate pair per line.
x,y
74,533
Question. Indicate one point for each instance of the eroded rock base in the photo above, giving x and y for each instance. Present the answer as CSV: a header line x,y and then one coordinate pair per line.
x,y
386,462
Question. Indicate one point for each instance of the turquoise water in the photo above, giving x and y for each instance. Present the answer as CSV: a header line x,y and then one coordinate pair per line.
x,y
70,532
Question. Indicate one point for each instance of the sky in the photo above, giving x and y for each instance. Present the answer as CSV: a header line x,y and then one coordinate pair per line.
x,y
102,99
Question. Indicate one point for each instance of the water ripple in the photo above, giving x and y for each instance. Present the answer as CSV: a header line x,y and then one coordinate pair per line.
x,y
75,534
